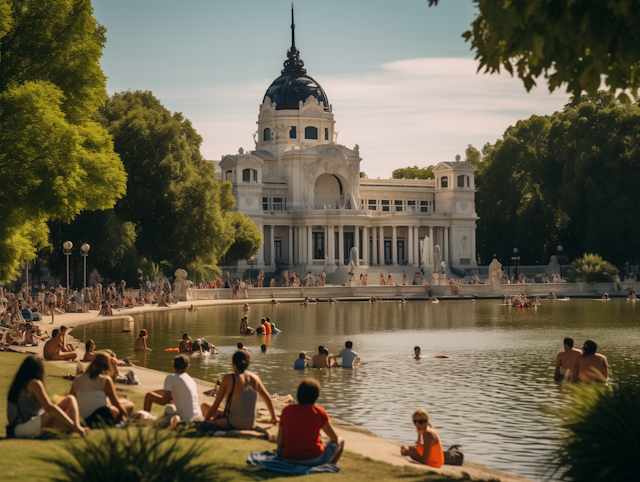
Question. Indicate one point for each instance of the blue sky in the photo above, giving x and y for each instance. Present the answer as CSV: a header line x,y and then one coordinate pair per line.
x,y
401,79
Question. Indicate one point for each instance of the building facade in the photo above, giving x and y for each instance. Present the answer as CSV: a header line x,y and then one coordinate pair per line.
x,y
304,191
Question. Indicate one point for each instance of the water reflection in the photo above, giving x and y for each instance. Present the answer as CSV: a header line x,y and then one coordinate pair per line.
x,y
494,396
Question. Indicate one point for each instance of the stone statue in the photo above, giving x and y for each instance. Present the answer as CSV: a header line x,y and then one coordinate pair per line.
x,y
180,285
437,260
495,273
241,151
255,141
353,257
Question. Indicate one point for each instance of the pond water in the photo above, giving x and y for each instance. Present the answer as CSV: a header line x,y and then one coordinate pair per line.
x,y
495,395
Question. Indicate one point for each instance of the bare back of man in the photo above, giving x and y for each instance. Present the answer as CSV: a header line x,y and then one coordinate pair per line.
x,y
565,361
320,360
592,368
51,351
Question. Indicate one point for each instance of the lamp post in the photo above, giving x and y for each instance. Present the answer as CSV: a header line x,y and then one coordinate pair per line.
x,y
252,259
84,251
515,258
560,259
66,246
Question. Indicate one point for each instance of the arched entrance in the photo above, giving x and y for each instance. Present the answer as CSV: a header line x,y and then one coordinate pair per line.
x,y
328,191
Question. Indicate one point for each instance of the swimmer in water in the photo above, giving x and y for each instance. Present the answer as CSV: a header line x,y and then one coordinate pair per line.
x,y
416,351
193,308
242,347
321,360
185,345
141,342
565,360
263,348
246,307
591,366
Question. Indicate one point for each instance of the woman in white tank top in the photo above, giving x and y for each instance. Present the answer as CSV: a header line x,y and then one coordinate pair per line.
x,y
96,394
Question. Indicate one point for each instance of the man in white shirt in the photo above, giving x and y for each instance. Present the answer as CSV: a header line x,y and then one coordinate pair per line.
x,y
349,357
180,389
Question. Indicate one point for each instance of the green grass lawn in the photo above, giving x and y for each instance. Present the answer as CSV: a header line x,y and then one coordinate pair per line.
x,y
22,459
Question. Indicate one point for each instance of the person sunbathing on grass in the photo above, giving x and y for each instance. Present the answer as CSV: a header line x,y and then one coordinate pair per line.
x,y
29,408
53,348
299,432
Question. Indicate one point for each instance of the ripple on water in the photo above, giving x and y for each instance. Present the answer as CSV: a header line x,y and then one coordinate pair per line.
x,y
494,396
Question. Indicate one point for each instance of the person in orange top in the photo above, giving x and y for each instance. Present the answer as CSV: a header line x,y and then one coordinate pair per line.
x,y
266,327
428,449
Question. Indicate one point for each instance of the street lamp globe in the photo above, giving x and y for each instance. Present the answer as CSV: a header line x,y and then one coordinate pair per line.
x,y
515,250
85,248
560,248
67,245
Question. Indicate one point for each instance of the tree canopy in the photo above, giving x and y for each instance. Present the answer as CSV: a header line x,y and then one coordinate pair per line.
x,y
174,210
569,178
56,161
414,172
572,43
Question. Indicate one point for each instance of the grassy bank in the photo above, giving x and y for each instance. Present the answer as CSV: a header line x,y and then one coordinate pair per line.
x,y
228,455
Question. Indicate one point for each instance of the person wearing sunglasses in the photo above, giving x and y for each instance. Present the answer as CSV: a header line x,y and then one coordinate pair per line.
x,y
428,448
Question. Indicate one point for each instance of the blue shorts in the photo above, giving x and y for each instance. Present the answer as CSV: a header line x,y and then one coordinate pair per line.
x,y
330,451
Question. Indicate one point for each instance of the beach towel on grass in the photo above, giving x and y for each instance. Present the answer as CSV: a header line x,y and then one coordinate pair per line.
x,y
268,460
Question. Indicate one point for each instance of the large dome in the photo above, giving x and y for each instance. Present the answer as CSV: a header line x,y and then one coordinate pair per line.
x,y
294,85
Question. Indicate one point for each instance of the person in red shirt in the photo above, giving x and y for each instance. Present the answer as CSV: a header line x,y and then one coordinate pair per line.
x,y
299,433
266,327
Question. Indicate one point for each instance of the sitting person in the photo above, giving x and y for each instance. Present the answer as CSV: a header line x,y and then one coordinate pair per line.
x,y
94,389
53,348
91,353
179,388
29,408
428,449
301,362
299,432
242,389
141,341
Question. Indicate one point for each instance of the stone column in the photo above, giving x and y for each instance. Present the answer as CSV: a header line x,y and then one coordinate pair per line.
x,y
291,263
416,245
381,247
409,240
474,257
327,250
431,245
261,250
394,246
374,249
445,256
272,245
309,244
341,243
365,245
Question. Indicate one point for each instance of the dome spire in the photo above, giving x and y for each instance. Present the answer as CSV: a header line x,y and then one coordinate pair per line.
x,y
293,63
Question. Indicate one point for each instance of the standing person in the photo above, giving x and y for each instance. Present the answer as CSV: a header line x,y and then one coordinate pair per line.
x,y
242,389
404,278
591,366
179,388
29,408
382,283
299,432
428,449
389,279
266,327
94,389
565,360
186,344
141,341
349,357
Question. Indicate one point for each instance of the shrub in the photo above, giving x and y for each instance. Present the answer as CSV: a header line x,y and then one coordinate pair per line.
x,y
135,454
591,268
602,435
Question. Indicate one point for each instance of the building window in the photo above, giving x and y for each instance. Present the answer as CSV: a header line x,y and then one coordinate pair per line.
x,y
444,182
424,206
266,134
467,181
277,204
278,247
310,132
229,176
372,204
246,175
255,175
265,203
326,133
385,204
461,181
411,203
398,204
292,132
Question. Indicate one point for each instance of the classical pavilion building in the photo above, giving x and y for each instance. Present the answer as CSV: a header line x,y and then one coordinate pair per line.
x,y
305,192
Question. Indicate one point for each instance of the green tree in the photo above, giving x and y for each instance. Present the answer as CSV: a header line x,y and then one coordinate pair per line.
x,y
591,268
55,160
566,178
568,43
248,239
473,156
363,175
414,172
